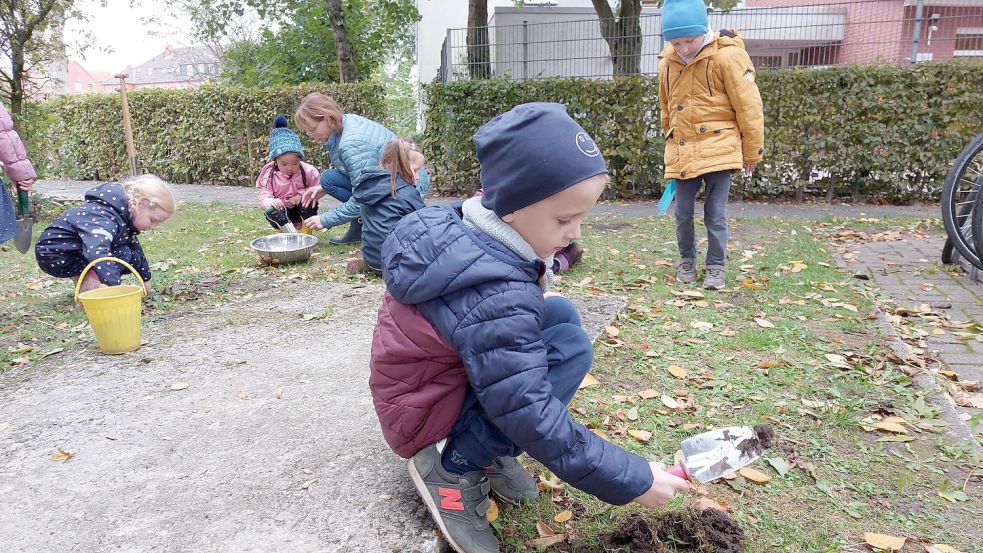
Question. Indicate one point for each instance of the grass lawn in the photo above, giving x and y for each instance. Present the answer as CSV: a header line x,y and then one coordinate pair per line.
x,y
791,342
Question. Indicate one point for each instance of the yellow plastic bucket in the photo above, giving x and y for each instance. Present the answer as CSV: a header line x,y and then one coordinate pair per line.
x,y
114,311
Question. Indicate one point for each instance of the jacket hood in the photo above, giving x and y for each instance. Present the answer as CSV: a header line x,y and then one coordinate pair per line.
x,y
376,186
431,253
726,38
112,195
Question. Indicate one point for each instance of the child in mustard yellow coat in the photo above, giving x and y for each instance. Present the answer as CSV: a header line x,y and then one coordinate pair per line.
x,y
713,122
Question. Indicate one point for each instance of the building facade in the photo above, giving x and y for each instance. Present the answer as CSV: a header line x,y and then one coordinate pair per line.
x,y
565,40
176,68
884,30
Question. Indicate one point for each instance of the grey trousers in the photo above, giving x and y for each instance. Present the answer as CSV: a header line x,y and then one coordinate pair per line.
x,y
714,215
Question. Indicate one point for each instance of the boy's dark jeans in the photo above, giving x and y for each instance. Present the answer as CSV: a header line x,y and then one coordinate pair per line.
x,y
568,355
714,215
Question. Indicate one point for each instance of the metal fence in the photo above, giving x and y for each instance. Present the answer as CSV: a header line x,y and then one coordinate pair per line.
x,y
528,43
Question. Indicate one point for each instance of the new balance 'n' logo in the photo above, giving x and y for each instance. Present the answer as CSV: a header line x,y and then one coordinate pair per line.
x,y
450,499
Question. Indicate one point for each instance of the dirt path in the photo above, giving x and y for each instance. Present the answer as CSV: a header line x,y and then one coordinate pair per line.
x,y
273,446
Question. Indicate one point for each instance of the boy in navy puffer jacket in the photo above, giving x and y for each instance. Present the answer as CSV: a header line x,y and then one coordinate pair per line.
x,y
469,347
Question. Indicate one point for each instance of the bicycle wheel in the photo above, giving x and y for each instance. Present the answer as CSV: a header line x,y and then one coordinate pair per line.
x,y
977,226
959,194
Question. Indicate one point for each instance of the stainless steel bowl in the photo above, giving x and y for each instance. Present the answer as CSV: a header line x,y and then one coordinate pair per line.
x,y
284,247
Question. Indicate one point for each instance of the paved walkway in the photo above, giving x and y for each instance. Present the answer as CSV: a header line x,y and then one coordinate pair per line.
x,y
243,195
908,273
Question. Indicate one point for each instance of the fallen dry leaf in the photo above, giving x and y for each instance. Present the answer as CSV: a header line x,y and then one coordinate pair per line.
x,y
547,541
178,386
62,455
669,402
308,483
941,548
891,427
552,483
589,380
701,325
883,541
492,513
648,393
544,529
612,330
641,435
704,503
763,323
677,371
754,475
563,516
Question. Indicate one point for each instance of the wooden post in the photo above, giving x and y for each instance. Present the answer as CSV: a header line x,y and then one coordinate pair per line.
x,y
126,124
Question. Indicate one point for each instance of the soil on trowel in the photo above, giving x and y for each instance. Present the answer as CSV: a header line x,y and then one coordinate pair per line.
x,y
690,529
764,439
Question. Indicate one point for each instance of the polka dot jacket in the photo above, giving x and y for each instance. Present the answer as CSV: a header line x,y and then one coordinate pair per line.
x,y
98,228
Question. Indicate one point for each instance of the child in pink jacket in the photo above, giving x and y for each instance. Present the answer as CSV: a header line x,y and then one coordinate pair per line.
x,y
18,168
283,180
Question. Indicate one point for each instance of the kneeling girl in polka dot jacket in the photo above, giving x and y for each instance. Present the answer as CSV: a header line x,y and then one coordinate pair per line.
x,y
107,224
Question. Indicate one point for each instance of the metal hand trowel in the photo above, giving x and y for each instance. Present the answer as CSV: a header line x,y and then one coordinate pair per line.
x,y
710,455
25,221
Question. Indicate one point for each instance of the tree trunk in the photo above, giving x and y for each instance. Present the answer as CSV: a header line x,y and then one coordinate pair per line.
x,y
347,72
479,51
623,35
17,84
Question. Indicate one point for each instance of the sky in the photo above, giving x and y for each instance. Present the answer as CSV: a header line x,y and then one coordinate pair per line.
x,y
118,27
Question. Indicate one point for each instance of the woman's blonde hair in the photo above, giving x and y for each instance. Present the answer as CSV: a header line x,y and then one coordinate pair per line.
x,y
396,159
151,188
314,107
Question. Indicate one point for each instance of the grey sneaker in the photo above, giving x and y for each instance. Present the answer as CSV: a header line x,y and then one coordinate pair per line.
x,y
686,270
458,503
510,481
714,278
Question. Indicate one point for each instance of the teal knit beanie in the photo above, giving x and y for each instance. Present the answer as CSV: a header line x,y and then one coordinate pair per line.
x,y
284,140
682,18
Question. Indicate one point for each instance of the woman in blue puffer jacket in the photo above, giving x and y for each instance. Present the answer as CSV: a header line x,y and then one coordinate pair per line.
x,y
355,146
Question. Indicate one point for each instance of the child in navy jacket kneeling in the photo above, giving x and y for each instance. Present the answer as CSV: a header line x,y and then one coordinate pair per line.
x,y
473,362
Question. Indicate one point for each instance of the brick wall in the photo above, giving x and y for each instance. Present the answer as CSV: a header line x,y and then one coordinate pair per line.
x,y
883,30
943,40
874,29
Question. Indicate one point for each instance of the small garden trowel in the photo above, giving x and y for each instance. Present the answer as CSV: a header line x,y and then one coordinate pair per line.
x,y
25,222
710,455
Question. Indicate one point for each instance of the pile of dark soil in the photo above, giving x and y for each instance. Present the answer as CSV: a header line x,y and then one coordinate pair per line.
x,y
690,529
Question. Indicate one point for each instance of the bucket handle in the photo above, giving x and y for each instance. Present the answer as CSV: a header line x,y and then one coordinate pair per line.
x,y
78,285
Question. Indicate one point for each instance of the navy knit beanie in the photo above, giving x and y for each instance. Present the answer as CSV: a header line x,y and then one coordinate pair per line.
x,y
283,140
532,152
681,18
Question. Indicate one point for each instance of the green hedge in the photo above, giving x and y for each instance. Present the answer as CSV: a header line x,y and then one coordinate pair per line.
x,y
207,135
876,132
